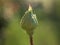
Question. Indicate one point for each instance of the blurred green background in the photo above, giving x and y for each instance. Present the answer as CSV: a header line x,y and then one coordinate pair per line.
x,y
47,31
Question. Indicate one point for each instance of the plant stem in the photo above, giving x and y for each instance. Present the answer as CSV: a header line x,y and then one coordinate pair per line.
x,y
31,40
2,39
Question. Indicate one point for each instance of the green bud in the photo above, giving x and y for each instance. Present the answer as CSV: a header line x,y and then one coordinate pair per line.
x,y
29,21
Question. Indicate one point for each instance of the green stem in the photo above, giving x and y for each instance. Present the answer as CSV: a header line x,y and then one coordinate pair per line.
x,y
2,39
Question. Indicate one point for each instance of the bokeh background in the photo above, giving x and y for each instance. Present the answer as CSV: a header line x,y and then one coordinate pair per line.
x,y
48,15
